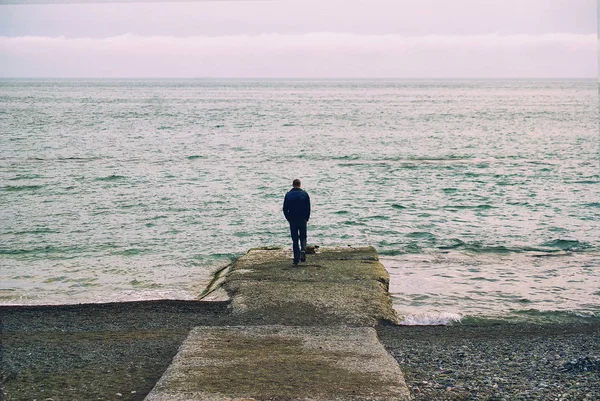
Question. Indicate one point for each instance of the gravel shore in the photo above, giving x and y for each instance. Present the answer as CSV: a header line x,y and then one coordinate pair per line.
x,y
498,362
94,352
118,352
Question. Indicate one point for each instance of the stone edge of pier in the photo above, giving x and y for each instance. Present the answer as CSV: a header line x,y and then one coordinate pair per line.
x,y
303,333
337,285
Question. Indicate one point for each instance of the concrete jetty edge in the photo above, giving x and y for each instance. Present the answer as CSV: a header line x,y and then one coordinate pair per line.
x,y
337,285
293,332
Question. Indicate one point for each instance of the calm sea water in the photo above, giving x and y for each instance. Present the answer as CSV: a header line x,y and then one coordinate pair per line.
x,y
482,197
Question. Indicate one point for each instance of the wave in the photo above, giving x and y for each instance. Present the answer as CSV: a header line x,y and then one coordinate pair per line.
x,y
533,316
59,158
17,188
81,159
440,158
353,223
364,163
43,230
70,252
111,178
24,177
480,207
454,243
492,249
422,234
555,246
377,217
411,161
431,319
46,250
391,252
346,157
563,244
410,248
529,316
129,252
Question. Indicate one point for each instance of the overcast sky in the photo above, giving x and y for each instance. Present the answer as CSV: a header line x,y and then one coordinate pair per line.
x,y
327,38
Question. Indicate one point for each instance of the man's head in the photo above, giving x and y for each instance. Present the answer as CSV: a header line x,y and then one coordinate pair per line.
x,y
296,183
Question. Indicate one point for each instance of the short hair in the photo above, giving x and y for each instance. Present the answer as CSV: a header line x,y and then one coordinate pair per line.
x,y
296,183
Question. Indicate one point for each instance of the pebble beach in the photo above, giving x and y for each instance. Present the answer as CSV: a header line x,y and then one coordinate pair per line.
x,y
118,351
498,362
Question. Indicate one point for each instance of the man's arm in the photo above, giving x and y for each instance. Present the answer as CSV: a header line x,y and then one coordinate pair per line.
x,y
286,208
307,207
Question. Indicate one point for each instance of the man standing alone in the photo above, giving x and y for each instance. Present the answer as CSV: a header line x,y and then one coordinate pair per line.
x,y
296,209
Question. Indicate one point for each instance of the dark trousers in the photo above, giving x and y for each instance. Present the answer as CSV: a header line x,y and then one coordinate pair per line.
x,y
298,232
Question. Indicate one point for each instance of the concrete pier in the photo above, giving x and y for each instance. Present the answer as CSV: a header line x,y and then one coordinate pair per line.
x,y
297,333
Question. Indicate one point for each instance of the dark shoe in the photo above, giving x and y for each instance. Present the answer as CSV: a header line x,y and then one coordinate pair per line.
x,y
302,256
295,264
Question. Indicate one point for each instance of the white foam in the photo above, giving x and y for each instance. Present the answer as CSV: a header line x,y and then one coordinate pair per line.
x,y
431,319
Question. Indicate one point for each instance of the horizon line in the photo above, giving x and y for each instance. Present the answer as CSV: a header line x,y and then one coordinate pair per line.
x,y
310,78
61,2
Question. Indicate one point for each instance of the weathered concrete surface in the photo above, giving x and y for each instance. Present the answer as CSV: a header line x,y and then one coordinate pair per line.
x,y
281,363
346,286
294,333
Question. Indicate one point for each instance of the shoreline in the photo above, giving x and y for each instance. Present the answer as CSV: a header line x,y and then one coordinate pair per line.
x,y
53,351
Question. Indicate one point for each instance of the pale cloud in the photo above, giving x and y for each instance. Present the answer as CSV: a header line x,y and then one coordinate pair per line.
x,y
319,54
220,18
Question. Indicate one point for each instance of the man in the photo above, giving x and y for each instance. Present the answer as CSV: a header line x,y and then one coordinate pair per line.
x,y
296,209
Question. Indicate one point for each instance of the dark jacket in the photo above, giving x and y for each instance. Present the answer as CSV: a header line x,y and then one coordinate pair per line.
x,y
296,205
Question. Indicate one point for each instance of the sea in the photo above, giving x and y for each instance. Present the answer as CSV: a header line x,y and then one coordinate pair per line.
x,y
482,197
